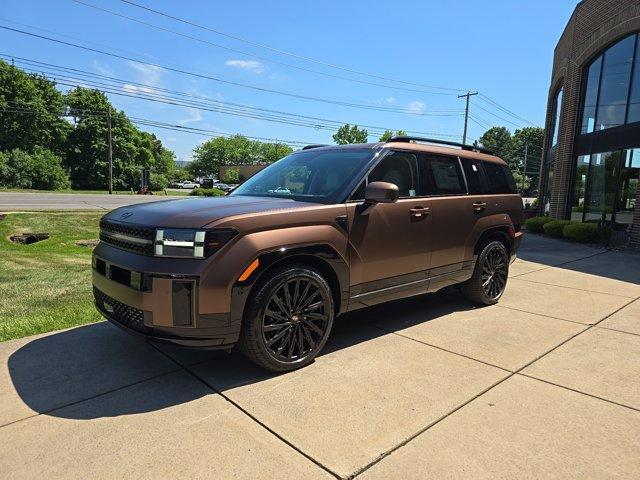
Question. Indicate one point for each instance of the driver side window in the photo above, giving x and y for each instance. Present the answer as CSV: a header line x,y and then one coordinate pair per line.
x,y
399,168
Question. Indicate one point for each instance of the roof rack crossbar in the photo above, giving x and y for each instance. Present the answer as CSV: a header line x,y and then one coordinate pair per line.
x,y
463,146
314,145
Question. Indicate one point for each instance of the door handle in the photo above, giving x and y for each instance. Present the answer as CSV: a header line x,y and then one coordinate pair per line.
x,y
418,212
479,207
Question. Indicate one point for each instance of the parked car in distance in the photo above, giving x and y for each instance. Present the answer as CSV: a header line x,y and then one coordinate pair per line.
x,y
325,230
188,184
222,186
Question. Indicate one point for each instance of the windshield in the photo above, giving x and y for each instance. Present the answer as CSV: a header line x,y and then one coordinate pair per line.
x,y
308,175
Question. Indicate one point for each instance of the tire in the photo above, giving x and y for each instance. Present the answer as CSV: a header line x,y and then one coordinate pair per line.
x,y
489,279
287,319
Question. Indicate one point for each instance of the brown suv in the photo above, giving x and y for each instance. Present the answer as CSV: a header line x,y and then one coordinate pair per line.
x,y
325,230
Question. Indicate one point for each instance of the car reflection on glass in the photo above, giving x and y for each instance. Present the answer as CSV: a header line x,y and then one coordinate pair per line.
x,y
280,191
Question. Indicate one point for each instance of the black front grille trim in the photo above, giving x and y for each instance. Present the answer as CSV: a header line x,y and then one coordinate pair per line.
x,y
147,234
130,317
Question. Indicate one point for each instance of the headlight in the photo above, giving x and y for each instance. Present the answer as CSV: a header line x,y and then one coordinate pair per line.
x,y
182,242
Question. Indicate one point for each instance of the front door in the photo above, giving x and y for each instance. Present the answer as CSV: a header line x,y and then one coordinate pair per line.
x,y
389,243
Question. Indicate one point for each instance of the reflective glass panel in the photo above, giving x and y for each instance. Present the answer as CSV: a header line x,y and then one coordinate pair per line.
x,y
591,97
582,170
628,186
601,189
634,98
614,84
556,121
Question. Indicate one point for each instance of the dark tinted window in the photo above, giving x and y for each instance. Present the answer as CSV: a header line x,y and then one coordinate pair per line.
x,y
473,175
399,168
442,175
499,178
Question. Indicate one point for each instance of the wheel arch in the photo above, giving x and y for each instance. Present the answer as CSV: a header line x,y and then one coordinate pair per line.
x,y
322,257
500,233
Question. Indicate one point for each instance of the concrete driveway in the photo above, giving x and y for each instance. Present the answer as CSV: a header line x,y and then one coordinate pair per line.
x,y
544,385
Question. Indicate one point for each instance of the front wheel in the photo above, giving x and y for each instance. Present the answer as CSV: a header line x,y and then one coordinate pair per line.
x,y
288,319
490,274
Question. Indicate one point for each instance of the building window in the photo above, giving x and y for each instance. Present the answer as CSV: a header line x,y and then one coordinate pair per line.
x,y
557,106
551,153
582,171
591,96
611,92
627,186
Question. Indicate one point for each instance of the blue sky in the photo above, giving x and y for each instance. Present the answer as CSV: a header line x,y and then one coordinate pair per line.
x,y
501,48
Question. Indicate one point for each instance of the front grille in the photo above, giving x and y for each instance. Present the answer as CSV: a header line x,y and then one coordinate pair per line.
x,y
131,238
124,314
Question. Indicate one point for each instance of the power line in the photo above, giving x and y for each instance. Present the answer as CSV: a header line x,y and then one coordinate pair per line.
x,y
172,97
467,96
148,122
217,79
253,56
505,110
284,52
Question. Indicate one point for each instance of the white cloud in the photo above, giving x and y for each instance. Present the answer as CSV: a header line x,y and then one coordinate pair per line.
x,y
416,107
101,69
196,116
384,100
149,74
127,87
251,65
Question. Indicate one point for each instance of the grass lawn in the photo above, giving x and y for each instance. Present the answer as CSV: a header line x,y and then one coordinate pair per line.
x,y
46,286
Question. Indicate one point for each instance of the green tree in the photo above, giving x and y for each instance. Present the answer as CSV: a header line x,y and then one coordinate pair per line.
x,y
40,169
500,142
87,153
232,175
534,136
388,134
30,112
350,134
234,150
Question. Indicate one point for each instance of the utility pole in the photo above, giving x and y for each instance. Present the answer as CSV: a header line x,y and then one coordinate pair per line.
x,y
524,167
466,114
110,153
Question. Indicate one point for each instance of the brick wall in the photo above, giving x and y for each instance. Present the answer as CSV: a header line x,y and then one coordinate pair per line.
x,y
594,25
635,229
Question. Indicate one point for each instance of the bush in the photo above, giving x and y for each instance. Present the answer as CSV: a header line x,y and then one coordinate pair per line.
x,y
555,227
207,192
41,169
535,224
157,182
587,233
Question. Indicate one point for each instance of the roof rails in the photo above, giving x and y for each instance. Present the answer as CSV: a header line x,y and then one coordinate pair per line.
x,y
472,148
314,145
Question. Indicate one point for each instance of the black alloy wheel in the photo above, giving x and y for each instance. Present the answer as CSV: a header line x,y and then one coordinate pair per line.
x,y
494,272
490,275
288,319
295,319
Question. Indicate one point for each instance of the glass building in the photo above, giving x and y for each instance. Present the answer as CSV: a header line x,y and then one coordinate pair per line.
x,y
591,162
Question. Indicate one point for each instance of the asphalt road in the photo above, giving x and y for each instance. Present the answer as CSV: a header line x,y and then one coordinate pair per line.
x,y
14,201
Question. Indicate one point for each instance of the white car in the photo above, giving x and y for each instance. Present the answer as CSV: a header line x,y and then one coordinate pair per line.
x,y
188,184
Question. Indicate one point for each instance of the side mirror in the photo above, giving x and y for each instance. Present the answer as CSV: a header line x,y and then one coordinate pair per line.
x,y
381,192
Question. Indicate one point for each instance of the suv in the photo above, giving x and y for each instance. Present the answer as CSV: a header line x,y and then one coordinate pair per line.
x,y
322,231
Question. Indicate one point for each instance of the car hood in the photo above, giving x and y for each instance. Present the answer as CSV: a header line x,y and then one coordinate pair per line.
x,y
197,212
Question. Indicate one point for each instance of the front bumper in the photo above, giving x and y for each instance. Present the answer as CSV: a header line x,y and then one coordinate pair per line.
x,y
159,305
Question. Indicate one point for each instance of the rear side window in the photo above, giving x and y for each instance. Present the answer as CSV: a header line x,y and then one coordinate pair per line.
x,y
499,178
472,171
442,175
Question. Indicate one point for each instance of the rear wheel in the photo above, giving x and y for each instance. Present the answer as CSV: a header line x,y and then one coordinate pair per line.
x,y
288,319
490,274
